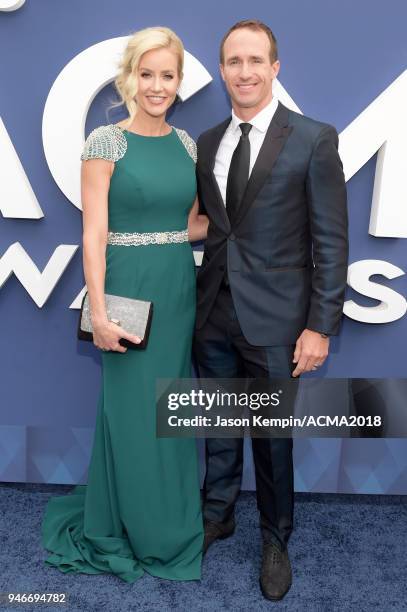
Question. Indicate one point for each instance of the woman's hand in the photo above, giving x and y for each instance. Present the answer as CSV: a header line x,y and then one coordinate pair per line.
x,y
106,336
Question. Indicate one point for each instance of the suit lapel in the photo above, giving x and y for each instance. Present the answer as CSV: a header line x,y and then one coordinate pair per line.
x,y
274,140
210,161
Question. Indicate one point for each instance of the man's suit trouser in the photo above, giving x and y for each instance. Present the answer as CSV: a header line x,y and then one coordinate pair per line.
x,y
221,351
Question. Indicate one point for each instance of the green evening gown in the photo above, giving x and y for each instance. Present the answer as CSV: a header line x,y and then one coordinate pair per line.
x,y
140,510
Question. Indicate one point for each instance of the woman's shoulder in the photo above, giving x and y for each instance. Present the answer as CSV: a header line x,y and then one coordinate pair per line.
x,y
188,142
105,142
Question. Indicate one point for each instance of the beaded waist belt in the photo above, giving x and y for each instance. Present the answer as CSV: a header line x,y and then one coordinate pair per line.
x,y
137,239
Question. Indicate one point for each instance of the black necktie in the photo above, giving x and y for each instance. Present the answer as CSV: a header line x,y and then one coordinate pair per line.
x,y
238,172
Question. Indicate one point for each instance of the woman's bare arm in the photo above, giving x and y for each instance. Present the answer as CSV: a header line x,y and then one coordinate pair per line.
x,y
95,182
197,224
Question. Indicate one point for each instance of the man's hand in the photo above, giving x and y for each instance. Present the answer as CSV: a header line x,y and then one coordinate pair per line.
x,y
311,350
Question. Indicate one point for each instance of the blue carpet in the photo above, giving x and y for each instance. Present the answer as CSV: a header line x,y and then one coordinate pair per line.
x,y
348,553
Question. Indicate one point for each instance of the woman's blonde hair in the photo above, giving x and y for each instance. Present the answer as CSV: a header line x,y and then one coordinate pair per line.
x,y
141,42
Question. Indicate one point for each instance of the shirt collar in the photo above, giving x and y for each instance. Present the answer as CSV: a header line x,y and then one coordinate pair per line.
x,y
261,121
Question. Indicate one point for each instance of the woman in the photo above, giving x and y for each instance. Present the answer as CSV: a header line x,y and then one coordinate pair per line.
x,y
140,510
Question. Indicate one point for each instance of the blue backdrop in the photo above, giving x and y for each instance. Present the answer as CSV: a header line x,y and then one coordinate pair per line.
x,y
336,59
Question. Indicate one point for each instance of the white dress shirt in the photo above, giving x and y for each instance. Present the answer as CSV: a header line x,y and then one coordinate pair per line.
x,y
231,137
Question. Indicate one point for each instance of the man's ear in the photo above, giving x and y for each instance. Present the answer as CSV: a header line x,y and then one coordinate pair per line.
x,y
222,71
275,68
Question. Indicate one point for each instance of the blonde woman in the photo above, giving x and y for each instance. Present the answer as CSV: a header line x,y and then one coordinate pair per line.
x,y
140,510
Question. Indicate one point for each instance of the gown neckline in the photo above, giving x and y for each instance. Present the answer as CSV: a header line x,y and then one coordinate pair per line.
x,y
143,136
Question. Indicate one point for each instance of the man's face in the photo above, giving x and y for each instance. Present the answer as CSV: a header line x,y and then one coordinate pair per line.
x,y
247,70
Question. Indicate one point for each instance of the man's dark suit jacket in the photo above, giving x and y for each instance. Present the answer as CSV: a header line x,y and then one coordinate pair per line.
x,y
286,252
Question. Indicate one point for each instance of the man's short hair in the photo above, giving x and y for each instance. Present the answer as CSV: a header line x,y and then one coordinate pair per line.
x,y
257,26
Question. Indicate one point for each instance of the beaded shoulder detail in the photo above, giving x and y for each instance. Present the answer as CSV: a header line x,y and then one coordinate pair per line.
x,y
105,142
188,142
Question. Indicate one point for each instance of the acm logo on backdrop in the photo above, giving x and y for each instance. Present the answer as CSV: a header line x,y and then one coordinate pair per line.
x,y
87,73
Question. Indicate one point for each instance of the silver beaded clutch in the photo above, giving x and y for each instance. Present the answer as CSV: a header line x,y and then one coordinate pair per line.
x,y
131,314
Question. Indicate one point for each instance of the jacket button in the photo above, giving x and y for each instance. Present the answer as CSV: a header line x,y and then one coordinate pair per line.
x,y
232,236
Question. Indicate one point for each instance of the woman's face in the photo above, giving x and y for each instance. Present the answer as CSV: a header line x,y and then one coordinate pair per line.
x,y
158,81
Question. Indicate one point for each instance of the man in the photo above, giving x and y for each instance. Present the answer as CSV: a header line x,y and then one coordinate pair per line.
x,y
271,286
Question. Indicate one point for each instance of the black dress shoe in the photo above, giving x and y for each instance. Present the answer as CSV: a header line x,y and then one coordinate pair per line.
x,y
276,576
217,531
